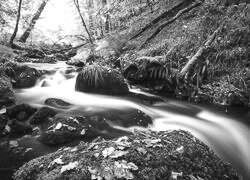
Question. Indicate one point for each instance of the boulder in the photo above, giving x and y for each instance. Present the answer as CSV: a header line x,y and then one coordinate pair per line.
x,y
42,115
18,128
7,96
97,79
57,103
23,76
75,62
65,128
3,123
21,111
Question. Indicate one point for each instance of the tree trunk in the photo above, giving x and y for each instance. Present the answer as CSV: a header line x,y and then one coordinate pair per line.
x,y
167,13
76,2
160,27
17,23
26,33
197,57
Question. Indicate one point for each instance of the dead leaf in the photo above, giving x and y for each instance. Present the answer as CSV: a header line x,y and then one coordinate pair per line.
x,y
56,161
107,151
180,149
141,150
83,132
174,175
151,142
3,111
70,166
58,126
194,178
117,154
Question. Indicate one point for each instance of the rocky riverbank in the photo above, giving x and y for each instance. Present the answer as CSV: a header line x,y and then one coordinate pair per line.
x,y
143,155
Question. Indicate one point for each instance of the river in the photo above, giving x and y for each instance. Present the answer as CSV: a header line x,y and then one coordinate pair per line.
x,y
227,134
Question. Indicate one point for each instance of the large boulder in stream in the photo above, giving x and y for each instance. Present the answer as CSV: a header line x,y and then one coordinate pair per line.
x,y
98,79
7,96
143,155
23,76
65,128
42,115
57,103
21,112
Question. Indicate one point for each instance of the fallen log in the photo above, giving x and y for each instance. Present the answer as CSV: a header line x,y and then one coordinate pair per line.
x,y
167,13
160,27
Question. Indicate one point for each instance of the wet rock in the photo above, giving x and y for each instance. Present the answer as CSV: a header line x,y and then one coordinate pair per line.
x,y
18,128
46,84
3,123
42,115
97,79
47,59
7,96
93,58
21,111
144,150
58,137
23,76
58,103
75,62
67,128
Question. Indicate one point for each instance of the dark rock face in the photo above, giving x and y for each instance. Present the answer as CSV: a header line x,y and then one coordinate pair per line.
x,y
7,96
21,111
103,80
23,76
75,62
42,115
3,123
65,128
18,128
58,103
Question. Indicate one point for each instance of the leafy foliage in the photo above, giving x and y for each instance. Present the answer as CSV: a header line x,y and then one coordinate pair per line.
x,y
93,75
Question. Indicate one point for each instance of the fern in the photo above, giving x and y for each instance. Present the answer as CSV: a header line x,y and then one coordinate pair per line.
x,y
93,75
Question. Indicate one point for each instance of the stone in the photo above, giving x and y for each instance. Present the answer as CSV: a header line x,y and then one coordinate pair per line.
x,y
42,115
7,96
3,123
97,79
58,103
75,62
23,76
46,84
18,128
21,111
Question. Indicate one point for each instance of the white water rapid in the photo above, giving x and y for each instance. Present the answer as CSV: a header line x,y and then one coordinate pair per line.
x,y
229,138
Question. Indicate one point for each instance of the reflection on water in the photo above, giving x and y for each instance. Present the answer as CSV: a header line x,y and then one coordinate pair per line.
x,y
227,137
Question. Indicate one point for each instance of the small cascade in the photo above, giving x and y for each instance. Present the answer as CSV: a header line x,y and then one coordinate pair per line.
x,y
227,137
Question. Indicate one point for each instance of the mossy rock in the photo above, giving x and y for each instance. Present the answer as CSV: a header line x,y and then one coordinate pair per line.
x,y
143,155
98,79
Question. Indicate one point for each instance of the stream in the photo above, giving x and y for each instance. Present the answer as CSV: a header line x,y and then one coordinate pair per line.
x,y
227,135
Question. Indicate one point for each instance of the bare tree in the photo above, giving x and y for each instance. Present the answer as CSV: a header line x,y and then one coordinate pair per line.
x,y
76,3
17,23
26,33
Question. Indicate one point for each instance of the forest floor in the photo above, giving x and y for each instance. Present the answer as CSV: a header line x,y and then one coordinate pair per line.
x,y
221,77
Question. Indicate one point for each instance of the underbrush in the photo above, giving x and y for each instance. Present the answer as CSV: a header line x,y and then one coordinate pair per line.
x,y
223,71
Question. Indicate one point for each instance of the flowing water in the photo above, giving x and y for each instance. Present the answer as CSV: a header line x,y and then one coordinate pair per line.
x,y
228,137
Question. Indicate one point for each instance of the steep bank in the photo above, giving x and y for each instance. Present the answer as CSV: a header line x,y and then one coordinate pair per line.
x,y
157,51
